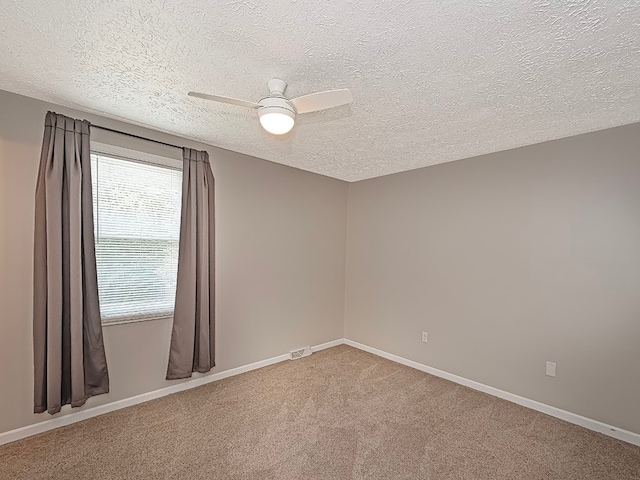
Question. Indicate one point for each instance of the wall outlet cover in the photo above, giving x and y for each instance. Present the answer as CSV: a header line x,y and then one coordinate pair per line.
x,y
551,369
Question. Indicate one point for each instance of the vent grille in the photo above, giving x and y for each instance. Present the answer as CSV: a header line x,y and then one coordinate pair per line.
x,y
300,352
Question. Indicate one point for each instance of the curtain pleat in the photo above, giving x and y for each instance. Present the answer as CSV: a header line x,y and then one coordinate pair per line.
x,y
193,335
69,358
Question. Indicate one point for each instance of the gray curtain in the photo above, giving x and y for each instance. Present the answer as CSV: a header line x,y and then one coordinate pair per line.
x,y
69,359
193,334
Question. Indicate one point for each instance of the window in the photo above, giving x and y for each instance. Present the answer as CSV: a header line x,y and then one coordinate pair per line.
x,y
136,209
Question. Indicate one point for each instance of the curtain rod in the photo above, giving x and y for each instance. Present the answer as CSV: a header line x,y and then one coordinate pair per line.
x,y
135,136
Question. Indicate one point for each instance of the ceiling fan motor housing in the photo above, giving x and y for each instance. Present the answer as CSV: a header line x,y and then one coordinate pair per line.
x,y
276,105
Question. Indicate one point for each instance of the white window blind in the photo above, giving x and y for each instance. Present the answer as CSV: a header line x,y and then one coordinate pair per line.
x,y
136,208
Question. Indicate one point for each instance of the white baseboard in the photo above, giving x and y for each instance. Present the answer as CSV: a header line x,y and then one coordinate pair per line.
x,y
615,432
77,416
323,346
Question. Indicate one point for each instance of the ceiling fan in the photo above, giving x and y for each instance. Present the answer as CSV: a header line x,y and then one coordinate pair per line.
x,y
276,112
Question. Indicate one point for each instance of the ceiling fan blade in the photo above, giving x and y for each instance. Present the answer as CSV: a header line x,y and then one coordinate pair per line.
x,y
229,100
322,100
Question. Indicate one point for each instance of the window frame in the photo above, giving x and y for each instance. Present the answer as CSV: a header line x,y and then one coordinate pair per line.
x,y
141,157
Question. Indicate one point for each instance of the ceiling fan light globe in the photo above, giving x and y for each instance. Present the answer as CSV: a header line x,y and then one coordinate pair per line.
x,y
277,121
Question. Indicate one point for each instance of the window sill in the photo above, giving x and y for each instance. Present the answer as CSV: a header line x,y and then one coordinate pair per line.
x,y
136,319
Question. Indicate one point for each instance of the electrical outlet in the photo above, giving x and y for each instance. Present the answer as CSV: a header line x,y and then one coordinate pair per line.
x,y
424,337
551,369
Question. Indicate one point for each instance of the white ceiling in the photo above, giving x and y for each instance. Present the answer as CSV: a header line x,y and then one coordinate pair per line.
x,y
433,81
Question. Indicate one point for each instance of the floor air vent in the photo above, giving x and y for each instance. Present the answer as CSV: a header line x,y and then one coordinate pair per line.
x,y
300,352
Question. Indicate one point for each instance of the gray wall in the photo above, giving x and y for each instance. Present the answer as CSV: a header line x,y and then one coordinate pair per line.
x,y
280,264
509,260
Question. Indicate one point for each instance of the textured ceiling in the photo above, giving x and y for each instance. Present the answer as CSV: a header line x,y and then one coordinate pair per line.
x,y
433,81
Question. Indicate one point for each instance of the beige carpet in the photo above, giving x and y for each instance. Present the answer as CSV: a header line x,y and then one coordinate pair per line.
x,y
339,414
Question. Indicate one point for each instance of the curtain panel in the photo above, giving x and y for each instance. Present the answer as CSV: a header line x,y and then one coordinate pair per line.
x,y
69,358
193,335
